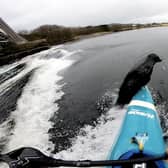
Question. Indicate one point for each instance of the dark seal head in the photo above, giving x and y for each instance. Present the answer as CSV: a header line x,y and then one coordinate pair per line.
x,y
154,57
136,78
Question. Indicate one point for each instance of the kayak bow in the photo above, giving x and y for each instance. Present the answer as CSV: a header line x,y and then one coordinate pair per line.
x,y
140,134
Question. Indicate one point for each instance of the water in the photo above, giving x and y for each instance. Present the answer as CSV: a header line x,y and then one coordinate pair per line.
x,y
60,100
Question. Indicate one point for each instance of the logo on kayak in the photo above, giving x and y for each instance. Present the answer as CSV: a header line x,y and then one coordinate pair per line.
x,y
139,113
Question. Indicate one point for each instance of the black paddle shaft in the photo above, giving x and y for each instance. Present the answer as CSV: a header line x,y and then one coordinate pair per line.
x,y
33,158
88,163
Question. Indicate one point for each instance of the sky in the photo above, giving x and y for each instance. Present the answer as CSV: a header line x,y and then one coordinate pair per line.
x,y
29,14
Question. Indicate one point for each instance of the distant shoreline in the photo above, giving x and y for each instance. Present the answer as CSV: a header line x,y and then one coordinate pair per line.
x,y
83,37
39,45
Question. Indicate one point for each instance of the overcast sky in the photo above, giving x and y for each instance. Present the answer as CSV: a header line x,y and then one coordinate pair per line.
x,y
28,14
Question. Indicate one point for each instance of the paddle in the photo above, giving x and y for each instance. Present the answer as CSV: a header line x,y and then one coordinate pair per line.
x,y
32,158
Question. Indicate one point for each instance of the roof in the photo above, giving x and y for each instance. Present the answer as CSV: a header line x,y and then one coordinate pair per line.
x,y
12,35
3,37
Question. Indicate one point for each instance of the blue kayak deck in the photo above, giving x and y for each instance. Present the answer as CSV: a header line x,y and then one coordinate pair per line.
x,y
142,122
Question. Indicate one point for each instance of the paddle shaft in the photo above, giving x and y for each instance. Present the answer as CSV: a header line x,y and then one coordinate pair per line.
x,y
89,163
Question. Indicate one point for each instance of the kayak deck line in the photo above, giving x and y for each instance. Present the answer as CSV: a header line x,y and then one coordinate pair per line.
x,y
142,104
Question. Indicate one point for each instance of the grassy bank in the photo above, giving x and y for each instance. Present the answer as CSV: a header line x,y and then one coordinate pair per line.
x,y
58,34
11,52
44,36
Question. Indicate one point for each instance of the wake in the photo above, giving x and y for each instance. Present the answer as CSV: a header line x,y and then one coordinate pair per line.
x,y
28,125
95,142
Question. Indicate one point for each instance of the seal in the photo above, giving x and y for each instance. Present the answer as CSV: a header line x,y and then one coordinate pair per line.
x,y
136,78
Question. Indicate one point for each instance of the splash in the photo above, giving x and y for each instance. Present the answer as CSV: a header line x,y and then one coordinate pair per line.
x,y
36,105
95,142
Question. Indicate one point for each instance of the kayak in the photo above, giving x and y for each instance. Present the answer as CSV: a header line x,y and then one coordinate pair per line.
x,y
140,134
139,140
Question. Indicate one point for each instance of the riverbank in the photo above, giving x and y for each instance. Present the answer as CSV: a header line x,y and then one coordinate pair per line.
x,y
17,56
82,37
12,52
45,36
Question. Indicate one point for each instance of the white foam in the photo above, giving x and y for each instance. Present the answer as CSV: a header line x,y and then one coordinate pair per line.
x,y
97,141
36,61
36,105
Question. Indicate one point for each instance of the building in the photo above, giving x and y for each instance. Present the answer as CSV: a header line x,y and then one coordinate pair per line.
x,y
6,30
3,37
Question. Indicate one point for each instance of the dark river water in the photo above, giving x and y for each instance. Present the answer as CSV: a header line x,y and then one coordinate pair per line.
x,y
101,67
61,100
